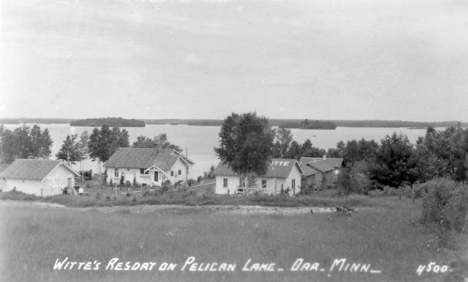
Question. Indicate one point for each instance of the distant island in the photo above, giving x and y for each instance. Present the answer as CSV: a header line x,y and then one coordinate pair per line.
x,y
308,124
111,122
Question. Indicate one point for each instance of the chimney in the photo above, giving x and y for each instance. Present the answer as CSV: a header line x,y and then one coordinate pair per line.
x,y
324,157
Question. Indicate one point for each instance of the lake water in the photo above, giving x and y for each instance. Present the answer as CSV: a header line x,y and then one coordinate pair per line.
x,y
200,140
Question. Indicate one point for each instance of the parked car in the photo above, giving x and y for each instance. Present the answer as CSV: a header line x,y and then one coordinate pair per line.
x,y
87,174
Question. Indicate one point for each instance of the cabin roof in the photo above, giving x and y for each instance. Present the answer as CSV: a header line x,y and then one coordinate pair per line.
x,y
145,157
31,169
315,165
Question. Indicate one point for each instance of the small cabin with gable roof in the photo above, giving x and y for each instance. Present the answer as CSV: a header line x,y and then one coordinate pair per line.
x,y
321,171
37,177
281,174
148,166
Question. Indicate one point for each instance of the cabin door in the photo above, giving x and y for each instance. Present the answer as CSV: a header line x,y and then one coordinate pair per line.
x,y
70,183
156,176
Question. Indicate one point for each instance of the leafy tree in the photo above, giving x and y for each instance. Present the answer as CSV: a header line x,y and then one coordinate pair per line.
x,y
351,152
144,142
83,146
46,144
103,143
246,144
443,154
306,146
283,140
160,141
294,151
69,151
9,146
337,152
36,141
367,149
394,162
24,142
308,150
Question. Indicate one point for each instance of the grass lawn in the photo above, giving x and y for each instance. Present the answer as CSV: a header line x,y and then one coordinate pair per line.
x,y
32,239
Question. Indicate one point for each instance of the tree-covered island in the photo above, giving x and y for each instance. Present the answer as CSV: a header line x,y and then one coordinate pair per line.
x,y
111,122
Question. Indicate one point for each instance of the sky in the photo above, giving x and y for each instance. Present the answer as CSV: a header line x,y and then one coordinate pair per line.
x,y
297,59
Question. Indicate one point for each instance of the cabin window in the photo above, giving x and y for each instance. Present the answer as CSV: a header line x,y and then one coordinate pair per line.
x,y
293,183
225,182
264,183
180,172
116,172
142,171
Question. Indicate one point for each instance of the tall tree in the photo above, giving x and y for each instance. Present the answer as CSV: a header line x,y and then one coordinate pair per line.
x,y
82,146
9,146
104,142
23,139
283,141
294,150
36,141
46,144
246,144
24,142
69,151
394,162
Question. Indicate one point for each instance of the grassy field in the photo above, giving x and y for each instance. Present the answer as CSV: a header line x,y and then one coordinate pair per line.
x,y
32,239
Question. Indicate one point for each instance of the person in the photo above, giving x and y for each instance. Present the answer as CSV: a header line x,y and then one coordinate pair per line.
x,y
80,191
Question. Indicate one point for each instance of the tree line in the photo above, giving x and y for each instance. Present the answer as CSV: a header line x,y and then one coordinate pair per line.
x,y
24,142
33,143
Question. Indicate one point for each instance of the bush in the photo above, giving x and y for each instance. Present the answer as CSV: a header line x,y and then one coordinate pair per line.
x,y
390,191
444,207
128,183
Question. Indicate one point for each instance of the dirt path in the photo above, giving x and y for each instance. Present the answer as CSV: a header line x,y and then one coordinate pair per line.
x,y
178,209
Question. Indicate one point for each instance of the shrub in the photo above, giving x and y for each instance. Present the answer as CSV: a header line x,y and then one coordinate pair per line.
x,y
111,183
128,183
390,191
444,207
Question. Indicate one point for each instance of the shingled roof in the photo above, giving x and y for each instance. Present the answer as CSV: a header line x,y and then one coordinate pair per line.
x,y
308,170
315,165
29,169
145,158
279,168
333,162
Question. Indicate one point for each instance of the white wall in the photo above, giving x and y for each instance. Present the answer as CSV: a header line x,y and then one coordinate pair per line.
x,y
58,179
25,186
148,179
53,184
296,175
179,165
233,183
